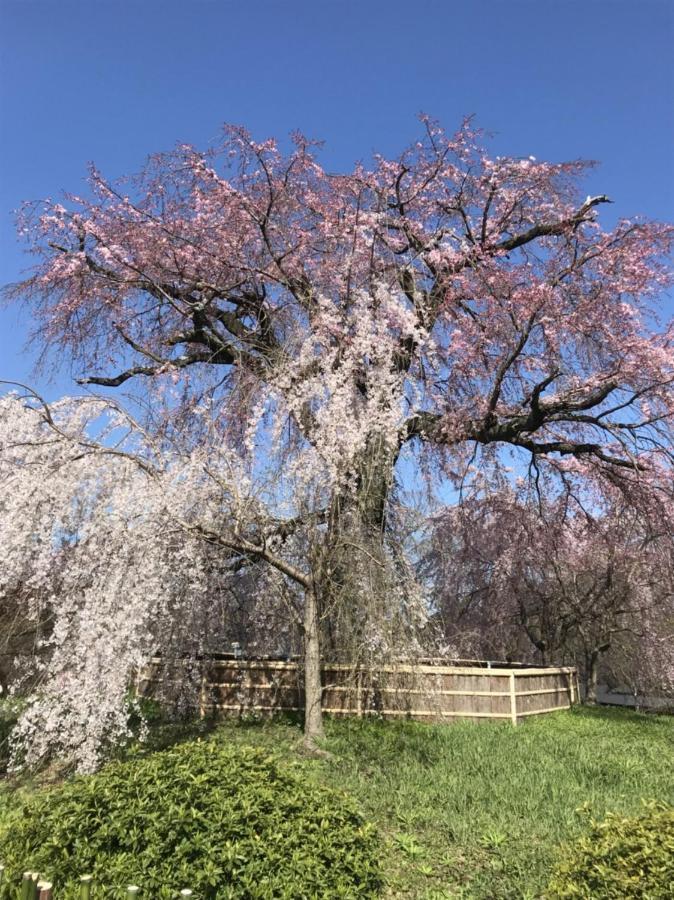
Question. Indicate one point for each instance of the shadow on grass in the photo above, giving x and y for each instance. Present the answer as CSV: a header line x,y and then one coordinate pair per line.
x,y
641,717
164,732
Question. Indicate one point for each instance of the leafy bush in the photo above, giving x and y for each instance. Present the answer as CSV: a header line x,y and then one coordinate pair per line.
x,y
620,858
225,821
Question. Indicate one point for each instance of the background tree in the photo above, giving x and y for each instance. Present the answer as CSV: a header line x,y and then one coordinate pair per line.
x,y
442,307
558,584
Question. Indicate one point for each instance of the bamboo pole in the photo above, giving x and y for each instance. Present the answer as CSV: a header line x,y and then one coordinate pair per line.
x,y
359,695
555,690
406,667
132,891
422,713
85,886
276,708
25,886
548,709
427,692
202,695
430,692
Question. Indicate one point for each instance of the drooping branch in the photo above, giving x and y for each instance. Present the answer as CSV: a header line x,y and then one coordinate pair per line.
x,y
233,541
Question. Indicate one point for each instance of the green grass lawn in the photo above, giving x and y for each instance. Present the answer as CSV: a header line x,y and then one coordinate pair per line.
x,y
479,811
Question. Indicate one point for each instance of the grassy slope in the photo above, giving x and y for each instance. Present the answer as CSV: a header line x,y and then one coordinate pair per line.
x,y
479,811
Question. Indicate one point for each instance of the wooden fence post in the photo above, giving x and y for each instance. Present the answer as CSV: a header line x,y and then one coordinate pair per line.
x,y
202,695
513,699
44,890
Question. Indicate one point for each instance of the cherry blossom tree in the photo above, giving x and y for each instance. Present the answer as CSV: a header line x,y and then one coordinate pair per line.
x,y
444,310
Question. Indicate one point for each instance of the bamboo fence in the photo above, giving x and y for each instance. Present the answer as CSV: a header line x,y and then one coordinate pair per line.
x,y
427,692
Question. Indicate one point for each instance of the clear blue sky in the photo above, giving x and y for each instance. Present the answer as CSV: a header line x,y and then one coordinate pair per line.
x,y
113,80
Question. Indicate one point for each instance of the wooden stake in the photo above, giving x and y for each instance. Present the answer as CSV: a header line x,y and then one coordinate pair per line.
x,y
44,890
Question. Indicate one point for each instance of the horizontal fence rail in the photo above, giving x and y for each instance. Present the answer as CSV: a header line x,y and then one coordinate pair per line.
x,y
428,692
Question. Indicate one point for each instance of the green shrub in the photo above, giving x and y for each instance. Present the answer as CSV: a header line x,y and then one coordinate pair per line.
x,y
621,857
225,821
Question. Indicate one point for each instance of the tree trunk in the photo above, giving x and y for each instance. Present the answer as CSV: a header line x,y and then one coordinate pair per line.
x,y
591,678
350,571
313,689
341,586
355,575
